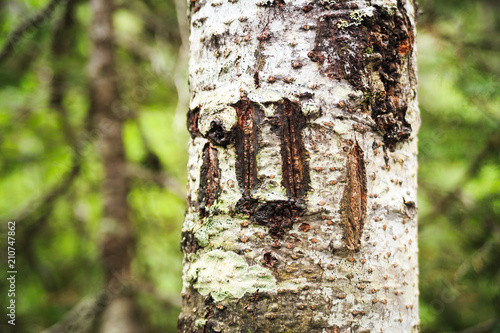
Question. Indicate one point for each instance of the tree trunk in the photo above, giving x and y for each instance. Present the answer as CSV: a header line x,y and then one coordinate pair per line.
x,y
117,243
302,169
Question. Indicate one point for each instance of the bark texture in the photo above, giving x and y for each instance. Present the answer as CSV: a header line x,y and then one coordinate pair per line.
x,y
302,169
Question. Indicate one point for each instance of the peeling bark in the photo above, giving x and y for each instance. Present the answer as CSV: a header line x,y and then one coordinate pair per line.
x,y
371,49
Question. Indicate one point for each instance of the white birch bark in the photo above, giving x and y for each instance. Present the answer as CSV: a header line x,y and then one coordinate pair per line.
x,y
302,170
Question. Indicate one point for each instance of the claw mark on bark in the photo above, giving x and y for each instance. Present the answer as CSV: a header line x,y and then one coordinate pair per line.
x,y
209,180
246,146
353,205
295,169
279,215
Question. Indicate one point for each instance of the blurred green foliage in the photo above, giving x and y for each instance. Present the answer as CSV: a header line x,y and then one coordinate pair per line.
x,y
459,176
57,239
58,235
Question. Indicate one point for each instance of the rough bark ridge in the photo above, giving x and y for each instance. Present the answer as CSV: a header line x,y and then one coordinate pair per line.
x,y
310,115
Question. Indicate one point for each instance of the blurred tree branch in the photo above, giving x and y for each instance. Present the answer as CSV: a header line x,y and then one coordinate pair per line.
x,y
159,178
34,22
153,169
154,22
82,317
478,256
36,218
442,203
485,327
62,40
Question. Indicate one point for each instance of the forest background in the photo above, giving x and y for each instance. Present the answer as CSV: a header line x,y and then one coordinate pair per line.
x,y
51,171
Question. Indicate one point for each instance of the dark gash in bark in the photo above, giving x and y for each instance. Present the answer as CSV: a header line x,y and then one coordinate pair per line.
x,y
209,180
278,216
353,205
246,143
288,124
295,168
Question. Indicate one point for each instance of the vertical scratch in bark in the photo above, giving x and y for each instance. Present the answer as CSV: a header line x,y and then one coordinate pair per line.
x,y
209,180
246,146
353,206
293,154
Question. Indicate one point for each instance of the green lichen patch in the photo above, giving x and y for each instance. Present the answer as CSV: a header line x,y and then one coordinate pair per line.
x,y
226,274
212,227
199,323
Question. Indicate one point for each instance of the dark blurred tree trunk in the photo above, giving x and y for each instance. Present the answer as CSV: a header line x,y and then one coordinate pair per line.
x,y
302,170
117,244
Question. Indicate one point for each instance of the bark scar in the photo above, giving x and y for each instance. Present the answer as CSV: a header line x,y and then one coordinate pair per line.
x,y
374,56
293,153
279,215
353,205
246,146
209,180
